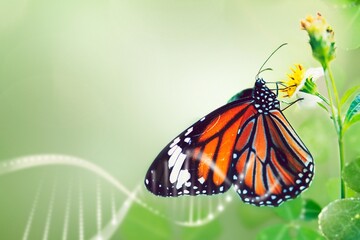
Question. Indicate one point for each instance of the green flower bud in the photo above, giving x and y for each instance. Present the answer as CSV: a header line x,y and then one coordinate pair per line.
x,y
321,38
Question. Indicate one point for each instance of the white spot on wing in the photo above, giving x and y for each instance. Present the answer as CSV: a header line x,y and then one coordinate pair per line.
x,y
189,131
201,180
176,170
171,151
184,176
176,141
174,156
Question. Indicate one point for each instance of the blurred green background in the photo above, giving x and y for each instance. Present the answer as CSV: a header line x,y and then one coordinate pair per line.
x,y
113,82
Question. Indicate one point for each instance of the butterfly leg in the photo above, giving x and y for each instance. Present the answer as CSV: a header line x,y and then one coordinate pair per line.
x,y
277,87
291,103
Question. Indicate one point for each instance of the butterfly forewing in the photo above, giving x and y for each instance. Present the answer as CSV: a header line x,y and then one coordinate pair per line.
x,y
198,161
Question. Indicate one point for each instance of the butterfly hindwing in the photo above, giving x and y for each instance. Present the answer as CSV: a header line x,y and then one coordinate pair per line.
x,y
198,161
272,165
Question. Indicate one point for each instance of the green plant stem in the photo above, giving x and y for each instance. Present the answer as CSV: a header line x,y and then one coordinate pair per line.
x,y
322,98
337,119
342,163
333,116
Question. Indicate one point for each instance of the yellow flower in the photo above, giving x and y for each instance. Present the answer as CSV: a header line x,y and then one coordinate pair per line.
x,y
302,83
321,38
294,80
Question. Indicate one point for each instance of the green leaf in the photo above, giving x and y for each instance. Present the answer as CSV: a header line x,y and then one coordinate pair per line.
x,y
290,210
353,110
350,193
351,175
353,120
311,210
341,220
323,106
240,95
348,94
288,232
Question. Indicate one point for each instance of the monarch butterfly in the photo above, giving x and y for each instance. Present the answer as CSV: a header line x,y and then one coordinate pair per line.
x,y
247,143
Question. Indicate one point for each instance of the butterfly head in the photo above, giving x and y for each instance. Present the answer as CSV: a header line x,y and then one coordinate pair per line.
x,y
264,98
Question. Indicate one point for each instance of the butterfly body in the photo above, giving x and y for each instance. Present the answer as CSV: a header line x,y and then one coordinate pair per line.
x,y
247,143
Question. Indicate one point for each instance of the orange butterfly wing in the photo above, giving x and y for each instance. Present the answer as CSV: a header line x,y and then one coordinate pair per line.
x,y
248,143
272,165
199,160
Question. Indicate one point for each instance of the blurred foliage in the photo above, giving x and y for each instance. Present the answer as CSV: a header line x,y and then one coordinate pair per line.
x,y
141,224
289,232
351,175
290,210
294,214
211,232
253,217
310,210
332,188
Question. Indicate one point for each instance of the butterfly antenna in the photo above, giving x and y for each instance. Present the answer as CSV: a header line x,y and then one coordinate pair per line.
x,y
261,68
